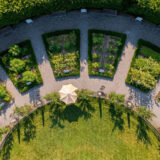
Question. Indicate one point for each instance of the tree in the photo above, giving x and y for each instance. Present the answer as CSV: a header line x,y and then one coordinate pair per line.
x,y
3,94
116,98
15,50
145,113
56,109
28,76
17,65
84,99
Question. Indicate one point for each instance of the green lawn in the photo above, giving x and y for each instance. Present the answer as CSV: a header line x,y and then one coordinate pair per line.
x,y
103,132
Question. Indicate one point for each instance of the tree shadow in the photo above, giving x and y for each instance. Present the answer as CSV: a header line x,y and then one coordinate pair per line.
x,y
56,116
72,113
42,114
100,106
128,119
29,129
7,148
19,133
86,109
116,117
141,131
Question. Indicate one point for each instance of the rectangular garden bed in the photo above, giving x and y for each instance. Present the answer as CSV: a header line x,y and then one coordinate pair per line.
x,y
145,67
5,96
20,64
63,49
105,48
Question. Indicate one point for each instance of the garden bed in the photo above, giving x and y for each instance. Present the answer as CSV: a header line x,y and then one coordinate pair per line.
x,y
145,67
105,48
63,48
20,64
5,96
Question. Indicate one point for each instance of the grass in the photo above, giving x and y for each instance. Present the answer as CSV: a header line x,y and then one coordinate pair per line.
x,y
105,131
63,48
30,65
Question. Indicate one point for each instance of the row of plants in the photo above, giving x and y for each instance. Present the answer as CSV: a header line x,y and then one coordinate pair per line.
x,y
20,64
12,12
63,48
145,67
104,52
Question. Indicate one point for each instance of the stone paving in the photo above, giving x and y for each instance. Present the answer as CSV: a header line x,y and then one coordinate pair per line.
x,y
74,20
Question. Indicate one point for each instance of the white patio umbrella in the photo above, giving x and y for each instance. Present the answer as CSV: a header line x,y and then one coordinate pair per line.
x,y
68,94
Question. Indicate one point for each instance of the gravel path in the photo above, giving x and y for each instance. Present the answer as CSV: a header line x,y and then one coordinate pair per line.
x,y
74,20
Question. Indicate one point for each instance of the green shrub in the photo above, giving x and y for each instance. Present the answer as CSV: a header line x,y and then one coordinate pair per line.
x,y
3,131
15,50
4,95
108,66
96,65
116,98
22,110
110,58
28,76
118,43
17,65
96,56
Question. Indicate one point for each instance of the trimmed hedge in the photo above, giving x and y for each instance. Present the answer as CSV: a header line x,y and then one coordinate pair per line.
x,y
15,11
110,33
56,33
38,81
140,43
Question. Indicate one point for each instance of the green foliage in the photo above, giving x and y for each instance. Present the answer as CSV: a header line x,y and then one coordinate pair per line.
x,y
15,50
3,131
118,43
144,72
22,110
28,76
96,56
108,66
55,48
96,65
145,113
98,39
4,95
116,98
148,52
84,95
17,65
69,40
110,58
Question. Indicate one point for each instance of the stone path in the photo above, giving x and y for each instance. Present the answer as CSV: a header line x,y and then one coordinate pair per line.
x,y
74,20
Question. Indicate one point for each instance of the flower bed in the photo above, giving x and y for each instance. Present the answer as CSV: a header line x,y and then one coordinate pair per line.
x,y
105,48
145,67
63,51
20,64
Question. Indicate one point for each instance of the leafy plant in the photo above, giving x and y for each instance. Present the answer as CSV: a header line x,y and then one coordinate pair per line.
x,y
96,65
15,50
4,94
17,65
28,76
108,66
22,110
145,113
118,43
110,58
96,56
116,98
3,131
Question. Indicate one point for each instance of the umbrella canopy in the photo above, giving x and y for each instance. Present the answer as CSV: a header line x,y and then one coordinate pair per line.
x,y
68,94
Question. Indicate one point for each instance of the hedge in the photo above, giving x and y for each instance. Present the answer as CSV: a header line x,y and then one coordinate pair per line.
x,y
140,43
50,34
111,33
15,11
